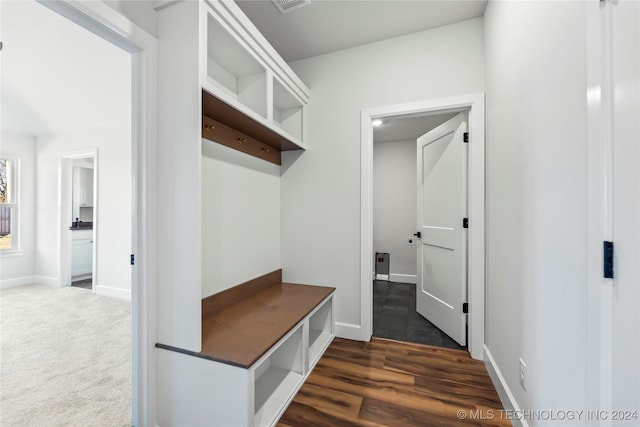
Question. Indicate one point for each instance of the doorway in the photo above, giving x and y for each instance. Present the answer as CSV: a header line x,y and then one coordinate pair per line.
x,y
115,28
78,214
397,205
475,105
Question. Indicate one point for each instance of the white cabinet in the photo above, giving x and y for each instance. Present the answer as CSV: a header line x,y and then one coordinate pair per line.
x,y
197,391
86,187
81,252
82,193
82,186
245,72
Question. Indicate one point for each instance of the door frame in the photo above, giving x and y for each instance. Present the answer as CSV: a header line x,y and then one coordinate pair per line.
x,y
65,191
107,23
475,105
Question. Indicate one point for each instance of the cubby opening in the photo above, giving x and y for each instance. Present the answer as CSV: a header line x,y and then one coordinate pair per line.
x,y
287,110
233,69
320,331
277,378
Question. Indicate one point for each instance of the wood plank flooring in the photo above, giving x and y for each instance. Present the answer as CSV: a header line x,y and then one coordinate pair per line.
x,y
392,383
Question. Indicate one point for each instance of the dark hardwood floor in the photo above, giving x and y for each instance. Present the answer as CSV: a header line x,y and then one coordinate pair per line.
x,y
391,383
84,284
395,316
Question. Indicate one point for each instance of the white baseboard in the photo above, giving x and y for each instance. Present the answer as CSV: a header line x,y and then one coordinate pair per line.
x,y
403,278
398,278
114,292
18,281
29,280
350,331
43,280
506,397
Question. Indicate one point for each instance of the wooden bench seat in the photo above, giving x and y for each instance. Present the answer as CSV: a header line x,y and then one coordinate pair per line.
x,y
238,326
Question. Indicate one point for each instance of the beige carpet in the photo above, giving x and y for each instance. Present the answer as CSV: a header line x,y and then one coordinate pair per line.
x,y
65,358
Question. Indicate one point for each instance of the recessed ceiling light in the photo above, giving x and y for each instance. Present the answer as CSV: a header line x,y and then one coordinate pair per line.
x,y
376,122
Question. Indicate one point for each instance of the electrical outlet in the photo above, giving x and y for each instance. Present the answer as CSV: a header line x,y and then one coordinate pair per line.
x,y
523,374
411,241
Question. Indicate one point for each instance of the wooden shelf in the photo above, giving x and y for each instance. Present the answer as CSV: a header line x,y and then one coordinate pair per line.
x,y
238,125
260,340
241,333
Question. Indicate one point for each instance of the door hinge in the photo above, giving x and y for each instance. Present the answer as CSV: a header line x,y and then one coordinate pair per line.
x,y
465,137
132,259
465,222
607,259
465,307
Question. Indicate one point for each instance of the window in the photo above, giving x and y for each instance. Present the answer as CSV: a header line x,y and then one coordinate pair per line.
x,y
8,205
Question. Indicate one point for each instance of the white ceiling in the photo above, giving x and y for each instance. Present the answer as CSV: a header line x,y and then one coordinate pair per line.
x,y
408,128
329,25
57,77
326,26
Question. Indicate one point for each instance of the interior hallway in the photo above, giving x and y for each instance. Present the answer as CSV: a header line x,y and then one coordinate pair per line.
x,y
390,383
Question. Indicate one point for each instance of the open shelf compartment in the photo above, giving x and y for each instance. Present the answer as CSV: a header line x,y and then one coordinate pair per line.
x,y
320,331
287,110
277,379
234,70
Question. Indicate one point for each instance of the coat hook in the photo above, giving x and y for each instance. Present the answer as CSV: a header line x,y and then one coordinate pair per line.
x,y
265,149
209,128
242,140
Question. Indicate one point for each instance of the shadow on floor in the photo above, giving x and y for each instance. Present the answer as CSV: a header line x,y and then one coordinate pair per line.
x,y
84,284
395,316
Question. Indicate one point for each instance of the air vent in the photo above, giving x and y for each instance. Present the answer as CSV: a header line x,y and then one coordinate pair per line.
x,y
288,5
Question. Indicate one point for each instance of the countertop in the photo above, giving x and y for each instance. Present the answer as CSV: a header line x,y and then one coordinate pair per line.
x,y
75,226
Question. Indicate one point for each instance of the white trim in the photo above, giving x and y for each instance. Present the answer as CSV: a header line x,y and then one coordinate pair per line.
x,y
599,100
18,281
47,281
109,24
474,103
14,189
65,191
349,331
10,253
108,291
403,278
506,397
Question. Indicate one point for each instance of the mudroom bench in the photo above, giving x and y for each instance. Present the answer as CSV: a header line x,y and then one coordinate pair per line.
x,y
260,341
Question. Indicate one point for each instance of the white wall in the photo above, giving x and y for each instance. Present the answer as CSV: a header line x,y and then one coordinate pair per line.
x,y
321,187
240,217
17,269
394,206
113,223
537,199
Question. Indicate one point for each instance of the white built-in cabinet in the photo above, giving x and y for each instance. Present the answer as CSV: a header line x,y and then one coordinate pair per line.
x,y
215,65
86,187
82,193
245,72
81,252
210,393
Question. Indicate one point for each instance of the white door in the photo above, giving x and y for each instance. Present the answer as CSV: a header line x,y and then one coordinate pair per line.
x,y
442,205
